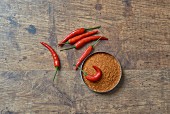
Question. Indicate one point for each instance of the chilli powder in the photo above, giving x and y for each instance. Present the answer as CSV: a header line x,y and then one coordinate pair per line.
x,y
111,71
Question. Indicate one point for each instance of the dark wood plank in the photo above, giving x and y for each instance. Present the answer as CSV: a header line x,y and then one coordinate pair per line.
x,y
34,92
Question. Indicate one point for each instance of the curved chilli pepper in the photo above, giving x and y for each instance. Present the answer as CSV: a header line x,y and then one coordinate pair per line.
x,y
92,78
75,33
84,41
85,54
79,37
55,57
95,77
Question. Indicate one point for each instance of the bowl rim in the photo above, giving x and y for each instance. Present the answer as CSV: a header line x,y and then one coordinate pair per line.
x,y
118,64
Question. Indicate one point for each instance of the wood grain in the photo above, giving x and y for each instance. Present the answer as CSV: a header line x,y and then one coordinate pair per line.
x,y
139,37
34,92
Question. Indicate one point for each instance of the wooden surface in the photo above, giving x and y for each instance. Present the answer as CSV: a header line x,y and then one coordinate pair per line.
x,y
139,37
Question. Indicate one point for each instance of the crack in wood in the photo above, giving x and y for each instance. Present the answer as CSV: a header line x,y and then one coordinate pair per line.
x,y
52,27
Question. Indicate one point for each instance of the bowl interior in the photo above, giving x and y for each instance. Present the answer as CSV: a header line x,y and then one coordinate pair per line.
x,y
118,78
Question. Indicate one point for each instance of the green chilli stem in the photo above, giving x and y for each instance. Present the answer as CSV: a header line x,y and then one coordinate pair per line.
x,y
85,73
55,73
65,42
97,41
67,48
88,29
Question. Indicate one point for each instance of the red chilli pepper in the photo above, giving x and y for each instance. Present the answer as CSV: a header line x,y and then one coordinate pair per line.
x,y
95,77
75,33
85,54
55,57
84,41
79,37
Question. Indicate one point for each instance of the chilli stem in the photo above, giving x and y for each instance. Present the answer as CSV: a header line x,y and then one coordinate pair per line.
x,y
88,29
97,41
85,73
67,48
55,73
65,42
